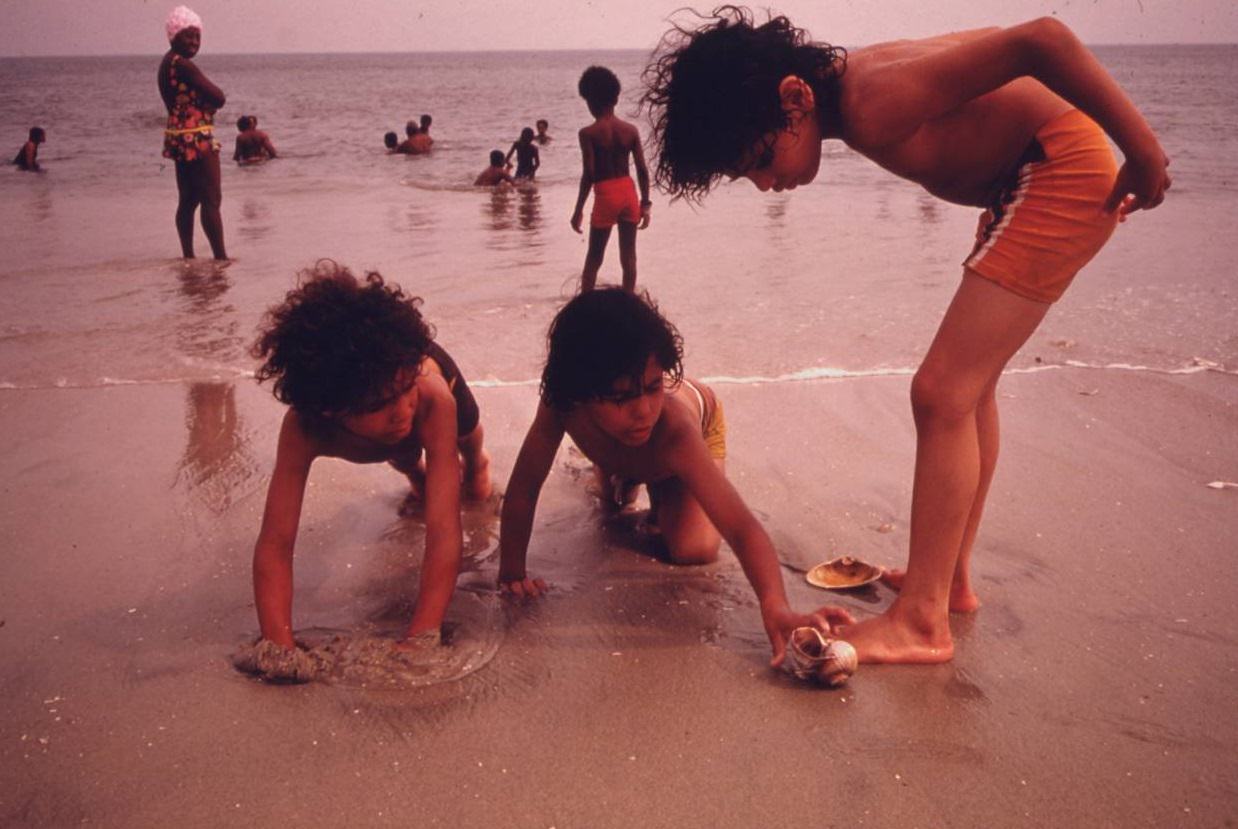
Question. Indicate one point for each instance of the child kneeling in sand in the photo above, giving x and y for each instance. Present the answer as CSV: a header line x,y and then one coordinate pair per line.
x,y
614,382
364,381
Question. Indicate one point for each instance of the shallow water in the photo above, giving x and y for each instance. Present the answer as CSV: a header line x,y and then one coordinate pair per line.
x,y
850,273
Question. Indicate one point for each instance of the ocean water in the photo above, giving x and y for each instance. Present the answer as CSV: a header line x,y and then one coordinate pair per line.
x,y
847,275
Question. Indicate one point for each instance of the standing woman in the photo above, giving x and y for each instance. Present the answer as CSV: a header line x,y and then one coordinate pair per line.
x,y
189,139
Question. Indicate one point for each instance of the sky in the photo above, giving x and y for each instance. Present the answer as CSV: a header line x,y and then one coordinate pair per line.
x,y
135,27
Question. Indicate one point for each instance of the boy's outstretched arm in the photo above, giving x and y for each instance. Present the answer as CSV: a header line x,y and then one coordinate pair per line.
x,y
273,551
441,564
1046,49
728,512
533,463
586,181
642,180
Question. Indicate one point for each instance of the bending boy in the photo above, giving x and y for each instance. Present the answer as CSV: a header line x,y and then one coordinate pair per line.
x,y
364,381
614,382
1009,120
605,146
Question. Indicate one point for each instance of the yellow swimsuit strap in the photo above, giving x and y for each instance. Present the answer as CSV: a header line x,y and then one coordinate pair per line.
x,y
203,128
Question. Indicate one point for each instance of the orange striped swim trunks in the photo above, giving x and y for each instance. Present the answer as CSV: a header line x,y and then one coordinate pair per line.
x,y
1049,221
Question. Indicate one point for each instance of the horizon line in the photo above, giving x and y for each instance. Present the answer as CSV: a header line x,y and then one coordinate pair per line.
x,y
501,51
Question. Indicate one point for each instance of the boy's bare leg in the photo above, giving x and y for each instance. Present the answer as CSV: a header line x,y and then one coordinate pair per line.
x,y
627,255
598,237
186,204
476,460
982,329
689,535
211,193
963,598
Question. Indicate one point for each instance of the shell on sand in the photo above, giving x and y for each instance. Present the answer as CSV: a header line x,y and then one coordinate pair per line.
x,y
843,573
813,655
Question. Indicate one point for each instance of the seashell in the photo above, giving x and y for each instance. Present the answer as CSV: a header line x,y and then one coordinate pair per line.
x,y
843,573
814,656
841,661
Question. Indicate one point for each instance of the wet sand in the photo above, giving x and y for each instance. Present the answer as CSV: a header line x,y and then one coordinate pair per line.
x,y
1095,686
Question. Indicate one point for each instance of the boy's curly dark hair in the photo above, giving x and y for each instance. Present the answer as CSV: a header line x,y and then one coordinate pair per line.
x,y
712,92
599,87
336,344
601,336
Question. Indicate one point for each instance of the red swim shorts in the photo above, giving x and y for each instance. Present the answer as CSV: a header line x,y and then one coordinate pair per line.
x,y
1050,220
614,200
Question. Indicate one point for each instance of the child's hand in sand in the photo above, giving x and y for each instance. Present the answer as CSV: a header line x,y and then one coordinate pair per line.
x,y
780,621
523,588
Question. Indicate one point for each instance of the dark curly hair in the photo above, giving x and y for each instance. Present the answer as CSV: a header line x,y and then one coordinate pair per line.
x,y
337,344
599,87
601,336
712,92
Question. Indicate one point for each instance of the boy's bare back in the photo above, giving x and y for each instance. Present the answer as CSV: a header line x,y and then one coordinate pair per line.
x,y
912,107
612,142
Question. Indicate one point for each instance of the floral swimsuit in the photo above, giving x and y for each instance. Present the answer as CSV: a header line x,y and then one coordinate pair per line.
x,y
190,132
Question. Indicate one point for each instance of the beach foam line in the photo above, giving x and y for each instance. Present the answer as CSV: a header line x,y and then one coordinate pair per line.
x,y
1198,366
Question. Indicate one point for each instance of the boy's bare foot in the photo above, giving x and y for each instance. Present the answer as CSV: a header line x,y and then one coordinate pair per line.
x,y
962,598
892,638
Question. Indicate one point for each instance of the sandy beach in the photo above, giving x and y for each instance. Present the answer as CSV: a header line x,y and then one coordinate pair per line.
x,y
1095,686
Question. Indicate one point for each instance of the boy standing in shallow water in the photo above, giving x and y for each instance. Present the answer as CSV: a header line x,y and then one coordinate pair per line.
x,y
614,382
27,157
605,146
1009,120
364,381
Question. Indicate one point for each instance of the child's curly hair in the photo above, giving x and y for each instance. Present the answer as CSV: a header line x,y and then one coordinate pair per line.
x,y
336,344
712,92
601,336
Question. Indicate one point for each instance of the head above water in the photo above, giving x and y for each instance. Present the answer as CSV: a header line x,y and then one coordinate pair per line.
x,y
411,129
542,125
713,93
245,122
337,345
601,337
426,121
496,158
600,88
391,140
37,135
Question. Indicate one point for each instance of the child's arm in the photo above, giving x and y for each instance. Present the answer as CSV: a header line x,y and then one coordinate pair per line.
x,y
913,92
690,461
642,179
273,551
268,146
508,158
441,564
586,181
236,149
537,453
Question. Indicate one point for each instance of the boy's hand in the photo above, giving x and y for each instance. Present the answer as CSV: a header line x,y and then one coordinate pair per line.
x,y
523,588
577,218
780,621
1141,183
644,216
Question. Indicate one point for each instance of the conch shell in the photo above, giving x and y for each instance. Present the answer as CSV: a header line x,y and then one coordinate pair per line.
x,y
813,655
